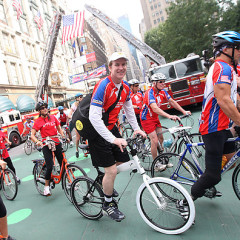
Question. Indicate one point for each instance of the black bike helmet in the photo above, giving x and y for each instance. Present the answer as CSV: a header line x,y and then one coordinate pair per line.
x,y
40,104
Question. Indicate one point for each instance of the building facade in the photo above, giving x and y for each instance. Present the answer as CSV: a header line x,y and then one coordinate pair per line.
x,y
154,12
22,48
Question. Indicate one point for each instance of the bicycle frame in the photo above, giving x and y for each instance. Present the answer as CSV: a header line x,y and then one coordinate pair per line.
x,y
230,163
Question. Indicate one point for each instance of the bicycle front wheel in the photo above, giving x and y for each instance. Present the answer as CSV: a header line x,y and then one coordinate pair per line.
x,y
87,197
39,172
127,133
9,184
69,176
165,218
236,181
28,147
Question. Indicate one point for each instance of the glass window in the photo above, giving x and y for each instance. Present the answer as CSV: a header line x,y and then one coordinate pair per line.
x,y
162,19
157,13
155,21
17,116
83,40
160,11
45,6
14,75
11,118
5,42
150,1
1,120
153,14
151,7
155,5
23,24
2,12
188,68
159,4
158,20
168,71
12,44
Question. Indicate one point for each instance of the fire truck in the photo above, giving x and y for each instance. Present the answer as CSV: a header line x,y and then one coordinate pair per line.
x,y
185,80
13,124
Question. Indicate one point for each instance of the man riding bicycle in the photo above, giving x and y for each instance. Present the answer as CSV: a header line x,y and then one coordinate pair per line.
x,y
221,107
49,126
107,149
62,118
137,98
27,125
152,109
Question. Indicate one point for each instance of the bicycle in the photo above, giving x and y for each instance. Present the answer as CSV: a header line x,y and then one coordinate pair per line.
x,y
174,141
67,173
8,181
154,196
187,172
29,146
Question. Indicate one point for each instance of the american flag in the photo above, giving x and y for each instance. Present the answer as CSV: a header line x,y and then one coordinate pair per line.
x,y
17,5
72,26
38,19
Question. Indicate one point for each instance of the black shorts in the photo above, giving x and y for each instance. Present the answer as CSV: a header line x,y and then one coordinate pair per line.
x,y
105,154
63,123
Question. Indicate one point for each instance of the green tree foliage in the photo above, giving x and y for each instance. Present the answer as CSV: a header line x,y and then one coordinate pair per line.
x,y
231,17
190,26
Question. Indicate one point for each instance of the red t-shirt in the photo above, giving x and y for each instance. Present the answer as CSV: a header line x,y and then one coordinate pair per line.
x,y
47,127
137,99
63,118
2,145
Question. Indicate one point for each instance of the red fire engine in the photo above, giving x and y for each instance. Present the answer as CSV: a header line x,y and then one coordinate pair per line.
x,y
12,124
185,80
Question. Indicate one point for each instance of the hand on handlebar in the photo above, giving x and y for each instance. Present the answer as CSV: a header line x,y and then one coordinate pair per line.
x,y
39,144
174,118
187,113
140,132
120,142
3,164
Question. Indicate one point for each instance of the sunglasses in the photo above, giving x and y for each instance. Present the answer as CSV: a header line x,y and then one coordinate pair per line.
x,y
136,85
160,81
43,107
237,47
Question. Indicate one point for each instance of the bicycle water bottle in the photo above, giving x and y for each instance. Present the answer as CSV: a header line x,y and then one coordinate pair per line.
x,y
167,143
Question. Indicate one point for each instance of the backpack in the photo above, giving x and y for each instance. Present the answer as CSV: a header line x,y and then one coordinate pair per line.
x,y
80,118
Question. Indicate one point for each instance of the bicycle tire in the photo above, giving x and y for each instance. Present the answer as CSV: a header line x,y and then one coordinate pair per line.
x,y
236,181
165,219
127,133
39,171
28,147
145,155
67,179
88,205
187,170
198,151
9,184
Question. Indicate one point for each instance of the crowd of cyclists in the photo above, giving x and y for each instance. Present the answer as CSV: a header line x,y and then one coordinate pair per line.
x,y
221,107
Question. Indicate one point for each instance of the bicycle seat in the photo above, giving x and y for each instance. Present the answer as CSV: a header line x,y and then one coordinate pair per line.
x,y
38,160
178,129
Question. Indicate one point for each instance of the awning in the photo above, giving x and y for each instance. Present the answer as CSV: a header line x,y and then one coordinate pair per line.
x,y
25,103
6,104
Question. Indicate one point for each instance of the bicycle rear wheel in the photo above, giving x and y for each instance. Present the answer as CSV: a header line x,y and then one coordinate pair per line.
x,y
87,197
167,136
28,147
236,181
186,173
166,218
39,172
72,173
9,184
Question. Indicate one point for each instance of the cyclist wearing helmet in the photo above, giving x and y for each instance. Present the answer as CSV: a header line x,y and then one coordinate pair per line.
x,y
137,98
220,109
27,125
152,109
48,125
73,108
62,118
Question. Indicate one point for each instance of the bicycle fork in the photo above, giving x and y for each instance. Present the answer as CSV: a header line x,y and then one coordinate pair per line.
x,y
159,199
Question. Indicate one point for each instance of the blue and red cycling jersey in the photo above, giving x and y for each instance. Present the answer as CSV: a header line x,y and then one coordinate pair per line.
x,y
105,94
212,118
153,96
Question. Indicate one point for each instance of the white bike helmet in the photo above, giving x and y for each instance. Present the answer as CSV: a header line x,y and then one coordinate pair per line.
x,y
158,76
133,81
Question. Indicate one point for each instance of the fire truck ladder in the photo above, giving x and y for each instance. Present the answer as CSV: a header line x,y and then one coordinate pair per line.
x,y
42,86
143,47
